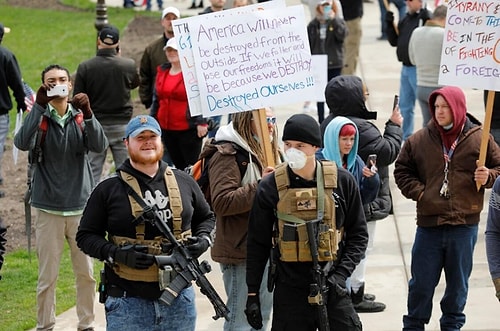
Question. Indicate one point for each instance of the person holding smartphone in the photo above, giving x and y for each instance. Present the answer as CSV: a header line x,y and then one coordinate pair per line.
x,y
61,183
346,96
340,140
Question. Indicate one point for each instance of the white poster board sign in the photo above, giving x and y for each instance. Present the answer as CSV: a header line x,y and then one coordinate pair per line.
x,y
181,32
471,46
252,60
320,75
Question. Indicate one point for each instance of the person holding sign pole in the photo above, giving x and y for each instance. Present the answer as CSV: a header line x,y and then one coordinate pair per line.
x,y
182,134
215,6
232,191
437,168
326,33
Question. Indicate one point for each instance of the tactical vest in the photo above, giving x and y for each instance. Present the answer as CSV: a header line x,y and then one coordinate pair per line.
x,y
296,206
154,245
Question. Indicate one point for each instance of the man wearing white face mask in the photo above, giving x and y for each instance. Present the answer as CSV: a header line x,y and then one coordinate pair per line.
x,y
305,194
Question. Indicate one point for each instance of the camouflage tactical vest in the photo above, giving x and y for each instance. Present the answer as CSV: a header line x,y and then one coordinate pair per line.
x,y
154,245
296,206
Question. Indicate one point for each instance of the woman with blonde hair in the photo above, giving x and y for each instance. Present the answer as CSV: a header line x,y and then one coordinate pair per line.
x,y
235,167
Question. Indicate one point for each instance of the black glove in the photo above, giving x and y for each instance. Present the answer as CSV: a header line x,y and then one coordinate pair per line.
x,y
197,246
254,316
81,101
21,107
389,17
337,285
134,256
41,95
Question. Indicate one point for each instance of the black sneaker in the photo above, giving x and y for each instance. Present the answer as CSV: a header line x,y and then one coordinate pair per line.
x,y
2,194
369,297
366,306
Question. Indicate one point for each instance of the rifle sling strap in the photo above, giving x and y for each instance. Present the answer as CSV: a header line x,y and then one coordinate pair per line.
x,y
138,205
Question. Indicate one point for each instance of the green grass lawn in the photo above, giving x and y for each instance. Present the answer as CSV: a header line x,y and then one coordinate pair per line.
x,y
18,289
39,38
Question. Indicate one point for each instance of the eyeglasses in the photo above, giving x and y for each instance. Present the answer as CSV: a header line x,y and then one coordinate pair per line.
x,y
271,120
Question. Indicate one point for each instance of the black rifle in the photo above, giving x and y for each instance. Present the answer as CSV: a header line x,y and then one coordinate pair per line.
x,y
187,267
318,291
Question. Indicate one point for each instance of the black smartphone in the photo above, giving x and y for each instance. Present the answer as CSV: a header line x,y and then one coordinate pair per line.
x,y
396,101
371,162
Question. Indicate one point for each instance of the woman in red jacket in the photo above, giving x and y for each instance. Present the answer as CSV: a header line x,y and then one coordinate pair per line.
x,y
182,134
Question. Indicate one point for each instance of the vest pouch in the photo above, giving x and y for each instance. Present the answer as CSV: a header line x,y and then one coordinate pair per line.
x,y
327,244
288,242
150,274
304,249
166,276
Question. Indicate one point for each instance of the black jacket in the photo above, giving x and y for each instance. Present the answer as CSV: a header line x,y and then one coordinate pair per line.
x,y
107,79
349,215
108,213
345,97
10,76
333,44
405,28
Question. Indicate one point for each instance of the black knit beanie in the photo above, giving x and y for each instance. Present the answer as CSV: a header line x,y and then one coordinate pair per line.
x,y
304,128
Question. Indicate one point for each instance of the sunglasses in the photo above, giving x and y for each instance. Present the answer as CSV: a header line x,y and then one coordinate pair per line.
x,y
271,120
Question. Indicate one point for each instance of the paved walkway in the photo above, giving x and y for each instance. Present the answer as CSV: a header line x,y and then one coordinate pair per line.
x,y
388,264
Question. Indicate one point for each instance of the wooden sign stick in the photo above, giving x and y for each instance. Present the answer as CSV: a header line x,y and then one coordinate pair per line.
x,y
486,132
259,117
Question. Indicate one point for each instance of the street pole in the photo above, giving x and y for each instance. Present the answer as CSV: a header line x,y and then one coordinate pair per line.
x,y
101,19
101,14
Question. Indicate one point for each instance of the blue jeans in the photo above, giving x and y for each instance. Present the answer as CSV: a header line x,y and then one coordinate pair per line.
x,y
407,98
423,93
115,134
132,314
4,130
234,277
148,4
436,248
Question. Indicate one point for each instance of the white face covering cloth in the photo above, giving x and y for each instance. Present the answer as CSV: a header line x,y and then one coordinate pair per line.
x,y
296,159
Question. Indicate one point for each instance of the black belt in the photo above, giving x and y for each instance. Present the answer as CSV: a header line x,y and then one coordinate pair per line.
x,y
114,291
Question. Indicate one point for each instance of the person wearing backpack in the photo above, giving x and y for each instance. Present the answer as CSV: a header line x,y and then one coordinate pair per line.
x,y
61,183
232,189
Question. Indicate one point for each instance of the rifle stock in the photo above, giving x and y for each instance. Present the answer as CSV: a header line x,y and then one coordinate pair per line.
x,y
318,291
188,269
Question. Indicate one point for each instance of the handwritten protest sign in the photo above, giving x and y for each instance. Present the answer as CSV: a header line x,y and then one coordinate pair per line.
x,y
181,31
319,71
471,46
252,60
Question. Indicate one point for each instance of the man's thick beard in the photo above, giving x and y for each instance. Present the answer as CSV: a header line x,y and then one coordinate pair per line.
x,y
138,158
